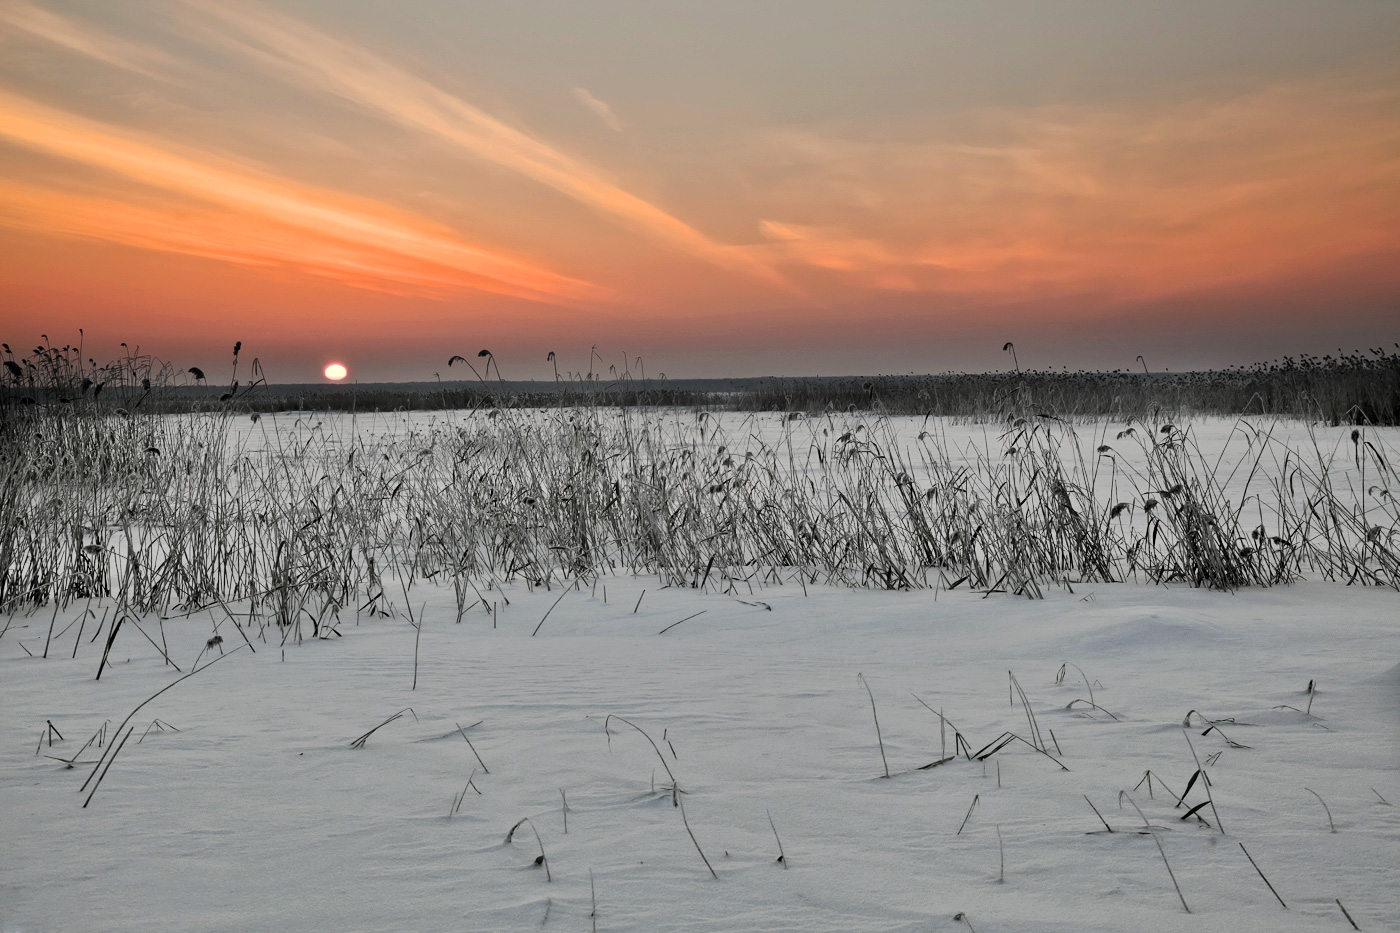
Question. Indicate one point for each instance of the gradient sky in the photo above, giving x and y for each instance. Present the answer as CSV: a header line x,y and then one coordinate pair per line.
x,y
721,188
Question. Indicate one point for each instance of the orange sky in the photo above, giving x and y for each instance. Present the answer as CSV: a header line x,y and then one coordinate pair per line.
x,y
780,188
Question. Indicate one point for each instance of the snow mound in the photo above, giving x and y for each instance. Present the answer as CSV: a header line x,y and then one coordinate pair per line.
x,y
1390,677
1271,717
1152,631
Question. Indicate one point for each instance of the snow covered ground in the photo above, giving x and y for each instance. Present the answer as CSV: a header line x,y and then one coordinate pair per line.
x,y
259,815
239,801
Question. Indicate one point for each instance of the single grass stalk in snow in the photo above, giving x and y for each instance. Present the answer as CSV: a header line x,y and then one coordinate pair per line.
x,y
111,637
542,860
163,653
417,636
237,627
878,737
116,750
68,762
782,856
1110,714
1196,812
1060,678
1261,875
50,730
1228,741
943,724
1346,914
1330,825
1212,725
1123,795
1379,797
611,716
970,808
52,620
565,809
360,742
159,726
1148,776
457,800
686,619
1005,739
473,748
143,703
1036,739
1097,813
1205,783
691,833
547,612
79,640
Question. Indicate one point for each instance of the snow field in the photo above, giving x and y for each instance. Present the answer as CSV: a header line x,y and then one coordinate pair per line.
x,y
258,813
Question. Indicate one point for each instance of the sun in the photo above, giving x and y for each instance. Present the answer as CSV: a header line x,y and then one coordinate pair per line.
x,y
336,372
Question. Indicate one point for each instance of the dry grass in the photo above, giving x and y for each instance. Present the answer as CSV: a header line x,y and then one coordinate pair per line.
x,y
171,514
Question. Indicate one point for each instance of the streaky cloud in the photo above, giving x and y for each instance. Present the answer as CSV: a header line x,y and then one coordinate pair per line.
x,y
78,38
1225,191
369,240
316,61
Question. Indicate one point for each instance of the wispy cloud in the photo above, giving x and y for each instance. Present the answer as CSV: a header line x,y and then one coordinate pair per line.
x,y
257,216
1124,203
601,108
315,61
835,249
77,37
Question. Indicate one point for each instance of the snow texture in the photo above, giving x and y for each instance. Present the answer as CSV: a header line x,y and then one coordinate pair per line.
x,y
258,813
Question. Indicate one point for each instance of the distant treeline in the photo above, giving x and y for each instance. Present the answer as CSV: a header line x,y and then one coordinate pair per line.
x,y
1357,388
1362,387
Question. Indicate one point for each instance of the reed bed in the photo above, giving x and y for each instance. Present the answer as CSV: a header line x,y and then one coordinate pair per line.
x,y
309,522
1360,387
1357,388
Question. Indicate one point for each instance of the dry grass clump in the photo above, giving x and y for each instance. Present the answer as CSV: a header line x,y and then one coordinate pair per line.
x,y
301,524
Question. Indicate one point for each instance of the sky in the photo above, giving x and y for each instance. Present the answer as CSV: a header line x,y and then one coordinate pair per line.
x,y
727,188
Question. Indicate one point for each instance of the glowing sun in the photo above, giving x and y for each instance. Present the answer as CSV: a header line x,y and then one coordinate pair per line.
x,y
336,372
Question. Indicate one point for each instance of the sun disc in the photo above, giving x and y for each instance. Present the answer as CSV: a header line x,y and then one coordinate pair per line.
x,y
336,372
